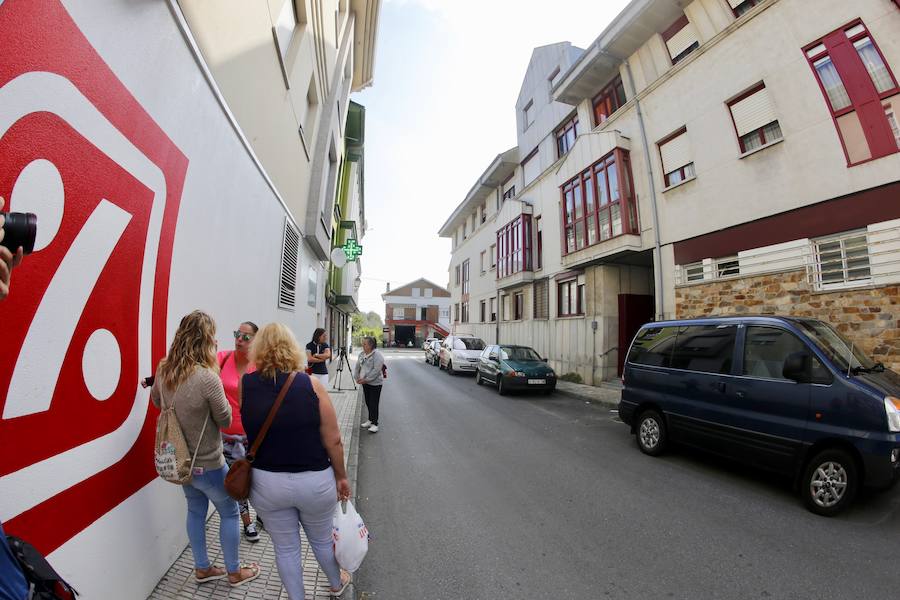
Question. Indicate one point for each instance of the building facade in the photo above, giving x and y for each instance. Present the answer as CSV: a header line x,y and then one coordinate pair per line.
x,y
415,312
685,179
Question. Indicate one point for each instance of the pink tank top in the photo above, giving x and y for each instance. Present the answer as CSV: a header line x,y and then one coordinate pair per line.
x,y
229,376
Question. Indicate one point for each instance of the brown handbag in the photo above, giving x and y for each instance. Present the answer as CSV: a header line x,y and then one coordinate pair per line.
x,y
239,477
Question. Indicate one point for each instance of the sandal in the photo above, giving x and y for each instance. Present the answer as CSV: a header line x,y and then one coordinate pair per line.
x,y
344,583
212,573
254,568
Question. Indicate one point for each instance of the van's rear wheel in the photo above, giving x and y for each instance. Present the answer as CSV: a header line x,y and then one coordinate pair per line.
x,y
651,433
830,482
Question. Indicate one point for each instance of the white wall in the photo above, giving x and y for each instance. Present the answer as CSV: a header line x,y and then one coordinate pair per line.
x,y
225,260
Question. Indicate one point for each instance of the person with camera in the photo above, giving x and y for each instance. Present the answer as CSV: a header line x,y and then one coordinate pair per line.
x,y
369,372
10,258
317,352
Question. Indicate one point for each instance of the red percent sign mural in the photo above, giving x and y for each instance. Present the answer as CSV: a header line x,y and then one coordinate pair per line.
x,y
86,315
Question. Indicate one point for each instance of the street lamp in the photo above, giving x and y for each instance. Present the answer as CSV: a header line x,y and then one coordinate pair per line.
x,y
356,283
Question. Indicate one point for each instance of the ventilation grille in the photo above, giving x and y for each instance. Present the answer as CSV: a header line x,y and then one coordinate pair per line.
x,y
287,282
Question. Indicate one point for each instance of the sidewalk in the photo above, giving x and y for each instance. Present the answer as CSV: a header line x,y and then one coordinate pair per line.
x,y
607,394
178,583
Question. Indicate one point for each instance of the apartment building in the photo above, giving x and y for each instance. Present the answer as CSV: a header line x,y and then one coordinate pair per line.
x,y
415,312
286,69
715,157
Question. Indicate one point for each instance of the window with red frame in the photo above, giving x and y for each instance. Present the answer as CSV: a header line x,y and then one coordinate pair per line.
x,y
514,247
569,298
565,136
675,156
754,118
741,7
539,234
598,204
609,100
465,277
681,39
859,89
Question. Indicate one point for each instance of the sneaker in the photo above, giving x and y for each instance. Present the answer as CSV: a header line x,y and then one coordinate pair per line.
x,y
251,534
373,429
366,425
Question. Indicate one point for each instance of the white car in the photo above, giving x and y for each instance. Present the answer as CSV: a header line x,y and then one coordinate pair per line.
x,y
427,343
460,353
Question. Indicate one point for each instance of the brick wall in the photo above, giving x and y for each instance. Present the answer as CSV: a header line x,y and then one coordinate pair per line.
x,y
869,317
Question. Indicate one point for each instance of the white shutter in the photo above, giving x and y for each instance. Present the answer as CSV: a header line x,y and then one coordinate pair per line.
x,y
735,3
682,40
753,112
675,153
287,279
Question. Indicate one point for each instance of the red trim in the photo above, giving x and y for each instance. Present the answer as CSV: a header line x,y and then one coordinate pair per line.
x,y
662,165
762,138
562,132
674,28
856,211
608,98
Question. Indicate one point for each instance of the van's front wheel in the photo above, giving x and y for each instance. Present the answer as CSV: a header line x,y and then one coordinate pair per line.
x,y
651,433
830,482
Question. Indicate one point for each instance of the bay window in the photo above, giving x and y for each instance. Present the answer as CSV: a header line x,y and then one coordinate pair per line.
x,y
514,247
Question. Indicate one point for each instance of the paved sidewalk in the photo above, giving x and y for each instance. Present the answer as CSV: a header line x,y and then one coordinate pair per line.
x,y
178,583
607,394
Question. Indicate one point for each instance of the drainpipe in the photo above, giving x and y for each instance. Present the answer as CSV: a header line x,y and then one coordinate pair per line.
x,y
657,252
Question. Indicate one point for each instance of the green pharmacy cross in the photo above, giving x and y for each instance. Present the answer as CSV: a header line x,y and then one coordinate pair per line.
x,y
351,249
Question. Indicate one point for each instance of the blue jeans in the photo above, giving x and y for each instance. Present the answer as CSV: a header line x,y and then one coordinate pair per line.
x,y
210,486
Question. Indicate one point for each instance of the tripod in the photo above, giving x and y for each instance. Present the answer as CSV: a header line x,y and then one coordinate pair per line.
x,y
342,360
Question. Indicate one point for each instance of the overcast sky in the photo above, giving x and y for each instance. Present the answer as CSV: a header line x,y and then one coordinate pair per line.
x,y
447,75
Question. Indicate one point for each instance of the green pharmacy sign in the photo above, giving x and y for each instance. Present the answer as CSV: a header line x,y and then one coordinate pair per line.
x,y
351,249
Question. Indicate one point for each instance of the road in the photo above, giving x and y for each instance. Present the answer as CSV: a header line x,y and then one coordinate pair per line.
x,y
469,495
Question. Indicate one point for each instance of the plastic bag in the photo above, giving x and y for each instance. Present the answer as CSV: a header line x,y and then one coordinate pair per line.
x,y
351,538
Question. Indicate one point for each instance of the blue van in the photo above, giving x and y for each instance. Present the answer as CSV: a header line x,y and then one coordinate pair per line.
x,y
785,394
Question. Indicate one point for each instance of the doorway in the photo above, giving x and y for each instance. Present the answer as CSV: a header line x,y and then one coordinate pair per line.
x,y
634,311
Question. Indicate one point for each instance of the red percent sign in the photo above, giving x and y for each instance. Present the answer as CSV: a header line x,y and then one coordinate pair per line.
x,y
86,315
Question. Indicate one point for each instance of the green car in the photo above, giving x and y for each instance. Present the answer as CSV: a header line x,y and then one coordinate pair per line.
x,y
514,368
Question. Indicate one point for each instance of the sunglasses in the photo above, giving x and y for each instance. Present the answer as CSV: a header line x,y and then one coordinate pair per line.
x,y
240,335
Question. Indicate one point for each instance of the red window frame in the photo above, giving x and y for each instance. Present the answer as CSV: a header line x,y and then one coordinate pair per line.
x,y
575,292
670,32
565,136
680,170
608,101
514,247
540,239
749,4
761,131
865,99
605,204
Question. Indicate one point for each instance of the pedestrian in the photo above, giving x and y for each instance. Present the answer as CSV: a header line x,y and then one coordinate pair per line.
x,y
317,352
188,379
369,372
298,469
233,364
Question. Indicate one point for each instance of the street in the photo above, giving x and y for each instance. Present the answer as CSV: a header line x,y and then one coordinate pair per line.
x,y
470,495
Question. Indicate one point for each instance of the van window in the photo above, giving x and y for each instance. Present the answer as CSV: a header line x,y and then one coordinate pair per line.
x,y
653,346
766,349
704,348
468,344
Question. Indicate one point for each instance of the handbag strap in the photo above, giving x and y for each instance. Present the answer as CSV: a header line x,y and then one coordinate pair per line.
x,y
265,428
199,441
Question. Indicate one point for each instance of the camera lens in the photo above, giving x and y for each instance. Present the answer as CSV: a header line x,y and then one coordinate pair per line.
x,y
19,229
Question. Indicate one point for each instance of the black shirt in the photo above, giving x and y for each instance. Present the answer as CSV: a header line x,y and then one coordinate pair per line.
x,y
294,441
318,368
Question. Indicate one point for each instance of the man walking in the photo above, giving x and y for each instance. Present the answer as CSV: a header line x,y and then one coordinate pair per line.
x,y
369,372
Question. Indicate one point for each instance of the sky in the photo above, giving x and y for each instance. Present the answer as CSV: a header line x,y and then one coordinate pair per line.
x,y
447,75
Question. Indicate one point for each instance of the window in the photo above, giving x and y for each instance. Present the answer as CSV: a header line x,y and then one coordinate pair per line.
x,y
693,272
457,275
554,78
456,313
609,100
531,167
842,261
528,114
510,193
493,255
541,299
465,223
483,306
653,347
465,277
484,212
753,115
740,7
287,278
681,39
675,155
514,247
858,86
727,266
765,350
428,292
704,348
540,243
465,312
483,252
399,313
518,306
492,304
423,313
416,292
570,298
598,204
565,136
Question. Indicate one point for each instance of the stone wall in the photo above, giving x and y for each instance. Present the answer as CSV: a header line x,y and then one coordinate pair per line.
x,y
868,316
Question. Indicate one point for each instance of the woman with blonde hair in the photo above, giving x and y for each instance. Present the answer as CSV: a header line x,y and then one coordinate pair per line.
x,y
188,379
298,470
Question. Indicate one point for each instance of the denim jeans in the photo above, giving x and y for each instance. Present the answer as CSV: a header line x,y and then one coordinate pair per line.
x,y
210,486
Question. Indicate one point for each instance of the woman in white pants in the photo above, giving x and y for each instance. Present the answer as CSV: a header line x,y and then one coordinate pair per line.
x,y
317,352
298,470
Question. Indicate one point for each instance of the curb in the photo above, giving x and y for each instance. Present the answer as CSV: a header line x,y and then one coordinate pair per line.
x,y
352,471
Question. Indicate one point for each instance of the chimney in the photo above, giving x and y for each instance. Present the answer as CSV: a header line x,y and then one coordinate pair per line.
x,y
387,287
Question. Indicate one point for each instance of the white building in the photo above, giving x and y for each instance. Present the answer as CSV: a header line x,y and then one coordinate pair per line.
x,y
415,312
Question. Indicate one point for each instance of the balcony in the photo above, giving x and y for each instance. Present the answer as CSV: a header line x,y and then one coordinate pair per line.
x,y
515,264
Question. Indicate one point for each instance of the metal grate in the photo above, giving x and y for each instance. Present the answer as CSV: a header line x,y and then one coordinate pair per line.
x,y
287,280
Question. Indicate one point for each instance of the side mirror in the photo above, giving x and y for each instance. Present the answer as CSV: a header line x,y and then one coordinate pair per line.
x,y
494,358
796,367
544,359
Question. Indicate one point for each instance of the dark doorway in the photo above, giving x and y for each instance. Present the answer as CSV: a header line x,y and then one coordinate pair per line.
x,y
423,314
634,311
404,334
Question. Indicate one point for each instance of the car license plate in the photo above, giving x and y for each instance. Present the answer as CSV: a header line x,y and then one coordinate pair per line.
x,y
537,381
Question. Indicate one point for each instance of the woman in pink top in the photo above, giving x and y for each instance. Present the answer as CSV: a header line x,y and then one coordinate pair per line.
x,y
233,364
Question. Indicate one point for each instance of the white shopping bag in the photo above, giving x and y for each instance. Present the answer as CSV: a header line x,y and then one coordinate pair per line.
x,y
351,538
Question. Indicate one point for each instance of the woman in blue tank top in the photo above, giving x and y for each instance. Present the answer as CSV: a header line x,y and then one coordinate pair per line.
x,y
298,471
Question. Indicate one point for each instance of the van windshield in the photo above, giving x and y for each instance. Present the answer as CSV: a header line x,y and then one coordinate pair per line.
x,y
835,346
468,344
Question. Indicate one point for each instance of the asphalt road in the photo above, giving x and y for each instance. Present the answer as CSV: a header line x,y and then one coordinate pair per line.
x,y
469,495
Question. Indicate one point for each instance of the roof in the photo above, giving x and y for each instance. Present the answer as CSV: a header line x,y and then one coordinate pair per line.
x,y
406,289
500,169
364,37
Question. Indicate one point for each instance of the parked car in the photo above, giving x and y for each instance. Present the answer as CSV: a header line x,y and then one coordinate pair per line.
x,y
785,394
514,368
427,342
460,353
432,352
